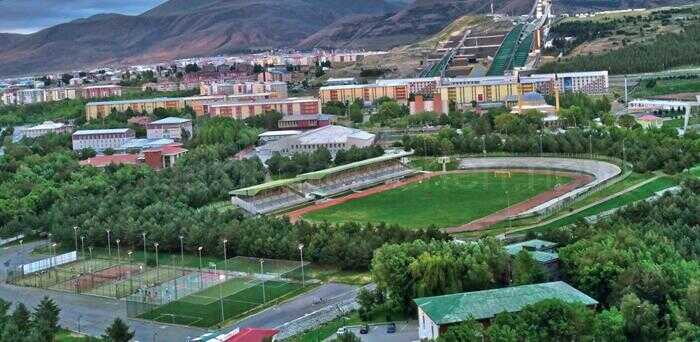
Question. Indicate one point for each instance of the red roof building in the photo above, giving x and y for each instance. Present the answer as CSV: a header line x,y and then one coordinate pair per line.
x,y
116,159
163,157
253,335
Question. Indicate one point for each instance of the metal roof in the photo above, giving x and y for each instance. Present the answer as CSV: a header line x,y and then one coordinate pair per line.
x,y
533,244
323,173
102,131
171,120
254,190
486,304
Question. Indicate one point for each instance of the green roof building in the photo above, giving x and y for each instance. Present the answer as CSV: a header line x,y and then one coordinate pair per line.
x,y
435,314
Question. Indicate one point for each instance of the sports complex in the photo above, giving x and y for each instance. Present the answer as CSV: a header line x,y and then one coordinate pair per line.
x,y
479,193
196,296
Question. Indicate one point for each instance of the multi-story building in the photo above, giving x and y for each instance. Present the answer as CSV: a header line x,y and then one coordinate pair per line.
x,y
58,94
397,89
100,91
102,139
242,110
94,110
331,137
30,96
589,82
46,128
276,89
641,105
169,128
463,93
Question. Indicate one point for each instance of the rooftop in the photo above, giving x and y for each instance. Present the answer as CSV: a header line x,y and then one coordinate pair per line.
x,y
486,304
279,133
252,335
116,159
533,244
171,120
649,117
332,134
102,131
48,125
145,143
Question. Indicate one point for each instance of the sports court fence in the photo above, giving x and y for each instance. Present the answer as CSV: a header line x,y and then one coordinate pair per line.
x,y
226,289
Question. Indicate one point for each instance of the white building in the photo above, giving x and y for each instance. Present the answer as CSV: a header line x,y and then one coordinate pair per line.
x,y
169,128
102,139
30,96
46,128
639,105
332,137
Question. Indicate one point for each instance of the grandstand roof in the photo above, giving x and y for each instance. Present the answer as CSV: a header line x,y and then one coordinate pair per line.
x,y
323,173
255,189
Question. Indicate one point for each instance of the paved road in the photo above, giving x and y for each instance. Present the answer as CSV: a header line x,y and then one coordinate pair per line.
x,y
405,331
87,314
300,306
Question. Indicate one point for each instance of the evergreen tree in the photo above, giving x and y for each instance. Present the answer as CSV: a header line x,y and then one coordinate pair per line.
x,y
45,319
118,332
21,318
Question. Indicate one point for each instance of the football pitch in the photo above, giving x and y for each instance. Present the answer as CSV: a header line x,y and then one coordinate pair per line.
x,y
444,201
203,309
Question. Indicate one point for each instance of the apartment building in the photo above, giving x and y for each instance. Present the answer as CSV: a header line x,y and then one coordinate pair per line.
x,y
94,110
100,91
45,128
102,139
276,89
589,82
397,89
242,110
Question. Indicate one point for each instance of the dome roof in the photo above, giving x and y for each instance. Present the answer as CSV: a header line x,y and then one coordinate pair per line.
x,y
533,97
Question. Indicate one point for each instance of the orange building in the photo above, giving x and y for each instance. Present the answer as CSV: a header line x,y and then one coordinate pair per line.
x,y
242,110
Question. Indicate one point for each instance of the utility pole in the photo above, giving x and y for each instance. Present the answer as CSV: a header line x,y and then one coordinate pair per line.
x,y
109,244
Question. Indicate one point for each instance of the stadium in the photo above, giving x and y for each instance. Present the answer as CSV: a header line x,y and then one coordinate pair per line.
x,y
481,192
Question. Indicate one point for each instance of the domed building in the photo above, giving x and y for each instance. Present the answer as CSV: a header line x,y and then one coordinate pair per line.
x,y
535,101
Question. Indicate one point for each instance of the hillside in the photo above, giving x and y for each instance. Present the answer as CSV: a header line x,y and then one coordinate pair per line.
x,y
185,28
573,6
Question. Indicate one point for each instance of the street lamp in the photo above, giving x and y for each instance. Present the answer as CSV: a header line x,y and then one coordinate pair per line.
x,y
301,259
119,256
90,249
262,274
109,244
145,256
131,280
199,250
53,258
225,261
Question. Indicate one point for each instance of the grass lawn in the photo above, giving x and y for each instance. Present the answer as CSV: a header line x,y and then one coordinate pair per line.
x,y
638,194
69,336
670,86
203,309
678,123
443,201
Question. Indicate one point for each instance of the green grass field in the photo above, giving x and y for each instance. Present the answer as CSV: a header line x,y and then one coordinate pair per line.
x,y
638,194
666,87
203,309
443,201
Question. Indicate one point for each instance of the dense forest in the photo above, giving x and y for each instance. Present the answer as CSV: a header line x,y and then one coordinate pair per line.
x,y
663,52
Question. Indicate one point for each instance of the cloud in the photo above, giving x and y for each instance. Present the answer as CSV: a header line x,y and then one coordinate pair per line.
x,y
26,16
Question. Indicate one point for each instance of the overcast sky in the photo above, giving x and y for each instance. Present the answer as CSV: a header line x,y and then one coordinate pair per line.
x,y
27,16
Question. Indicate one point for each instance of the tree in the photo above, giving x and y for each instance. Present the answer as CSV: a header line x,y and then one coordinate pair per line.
x,y
45,318
468,331
526,270
118,332
109,151
626,121
347,337
87,153
641,319
355,111
21,317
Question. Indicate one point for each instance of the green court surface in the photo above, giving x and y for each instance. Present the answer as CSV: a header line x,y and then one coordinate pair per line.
x,y
203,309
128,286
444,201
225,289
638,194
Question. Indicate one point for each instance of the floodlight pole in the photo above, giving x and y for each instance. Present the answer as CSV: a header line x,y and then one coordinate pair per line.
x,y
156,246
75,235
82,248
199,249
182,251
301,259
109,243
225,260
262,274
222,277
131,280
119,255
145,256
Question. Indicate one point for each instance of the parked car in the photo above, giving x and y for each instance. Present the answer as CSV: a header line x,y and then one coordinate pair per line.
x,y
364,329
341,331
391,328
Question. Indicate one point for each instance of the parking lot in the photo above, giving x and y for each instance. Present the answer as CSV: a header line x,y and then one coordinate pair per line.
x,y
405,331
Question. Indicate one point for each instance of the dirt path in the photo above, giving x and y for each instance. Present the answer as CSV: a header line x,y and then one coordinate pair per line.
x,y
578,181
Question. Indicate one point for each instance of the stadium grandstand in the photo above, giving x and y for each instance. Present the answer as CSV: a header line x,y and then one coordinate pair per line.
x,y
283,194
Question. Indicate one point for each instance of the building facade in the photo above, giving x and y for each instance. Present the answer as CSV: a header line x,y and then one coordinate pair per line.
x,y
102,139
95,110
169,128
275,89
45,128
463,93
242,110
